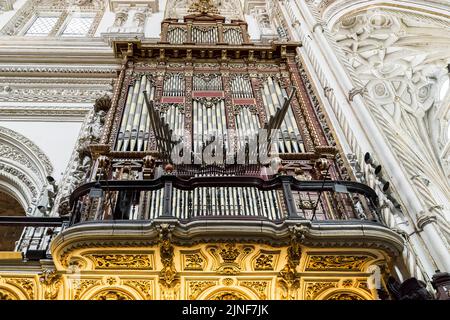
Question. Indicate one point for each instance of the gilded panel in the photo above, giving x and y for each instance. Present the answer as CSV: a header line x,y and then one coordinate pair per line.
x,y
123,261
337,262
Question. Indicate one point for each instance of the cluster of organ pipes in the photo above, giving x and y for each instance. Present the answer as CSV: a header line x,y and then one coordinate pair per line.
x,y
208,120
222,201
135,125
209,116
232,36
273,96
174,85
176,35
205,35
211,82
241,87
186,204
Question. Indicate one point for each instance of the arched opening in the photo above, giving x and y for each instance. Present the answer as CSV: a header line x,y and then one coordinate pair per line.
x,y
9,206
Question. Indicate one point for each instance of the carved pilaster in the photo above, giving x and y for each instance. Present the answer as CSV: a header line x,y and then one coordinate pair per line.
x,y
168,277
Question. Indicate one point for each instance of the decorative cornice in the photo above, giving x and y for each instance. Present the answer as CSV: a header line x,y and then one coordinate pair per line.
x,y
33,113
59,69
346,234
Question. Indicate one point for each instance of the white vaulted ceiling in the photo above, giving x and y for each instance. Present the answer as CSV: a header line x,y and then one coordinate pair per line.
x,y
401,60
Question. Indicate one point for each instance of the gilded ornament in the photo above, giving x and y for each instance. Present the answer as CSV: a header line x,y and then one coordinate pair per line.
x,y
112,295
337,262
197,287
51,282
344,296
26,285
145,287
6,295
259,287
193,262
264,262
227,281
313,289
229,253
347,283
288,277
80,286
228,295
122,261
168,274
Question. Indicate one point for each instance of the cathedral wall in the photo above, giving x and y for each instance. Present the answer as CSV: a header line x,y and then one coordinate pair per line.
x,y
56,139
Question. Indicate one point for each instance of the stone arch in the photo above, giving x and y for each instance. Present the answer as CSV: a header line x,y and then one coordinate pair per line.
x,y
23,168
7,293
111,293
343,294
228,293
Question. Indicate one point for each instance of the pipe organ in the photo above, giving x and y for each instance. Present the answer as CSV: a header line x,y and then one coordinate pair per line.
x,y
215,91
135,124
224,222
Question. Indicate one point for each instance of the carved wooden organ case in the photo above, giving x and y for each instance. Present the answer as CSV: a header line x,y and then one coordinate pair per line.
x,y
205,75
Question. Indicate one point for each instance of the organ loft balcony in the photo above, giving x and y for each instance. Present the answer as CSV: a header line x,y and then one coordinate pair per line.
x,y
213,144
218,139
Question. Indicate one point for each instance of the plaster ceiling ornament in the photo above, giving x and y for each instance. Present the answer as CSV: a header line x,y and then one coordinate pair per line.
x,y
400,58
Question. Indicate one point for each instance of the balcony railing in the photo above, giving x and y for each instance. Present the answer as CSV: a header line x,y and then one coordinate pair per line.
x,y
224,197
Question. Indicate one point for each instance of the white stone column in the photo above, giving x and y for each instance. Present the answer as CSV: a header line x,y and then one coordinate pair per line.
x,y
360,129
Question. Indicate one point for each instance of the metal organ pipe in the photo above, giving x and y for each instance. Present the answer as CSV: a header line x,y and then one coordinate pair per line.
x,y
135,125
273,98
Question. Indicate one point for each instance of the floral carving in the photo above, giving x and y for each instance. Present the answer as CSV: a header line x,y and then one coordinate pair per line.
x,y
122,261
27,285
80,286
51,282
344,296
337,262
168,276
228,295
289,279
259,287
145,287
313,289
112,295
193,262
197,287
264,262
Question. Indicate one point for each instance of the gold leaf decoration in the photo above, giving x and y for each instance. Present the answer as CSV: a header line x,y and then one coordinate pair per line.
x,y
259,287
145,287
193,262
264,262
313,289
51,282
228,295
344,296
112,295
197,287
6,295
122,261
80,286
337,262
26,285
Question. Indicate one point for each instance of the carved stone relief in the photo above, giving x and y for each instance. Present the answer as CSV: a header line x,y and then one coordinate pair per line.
x,y
398,60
